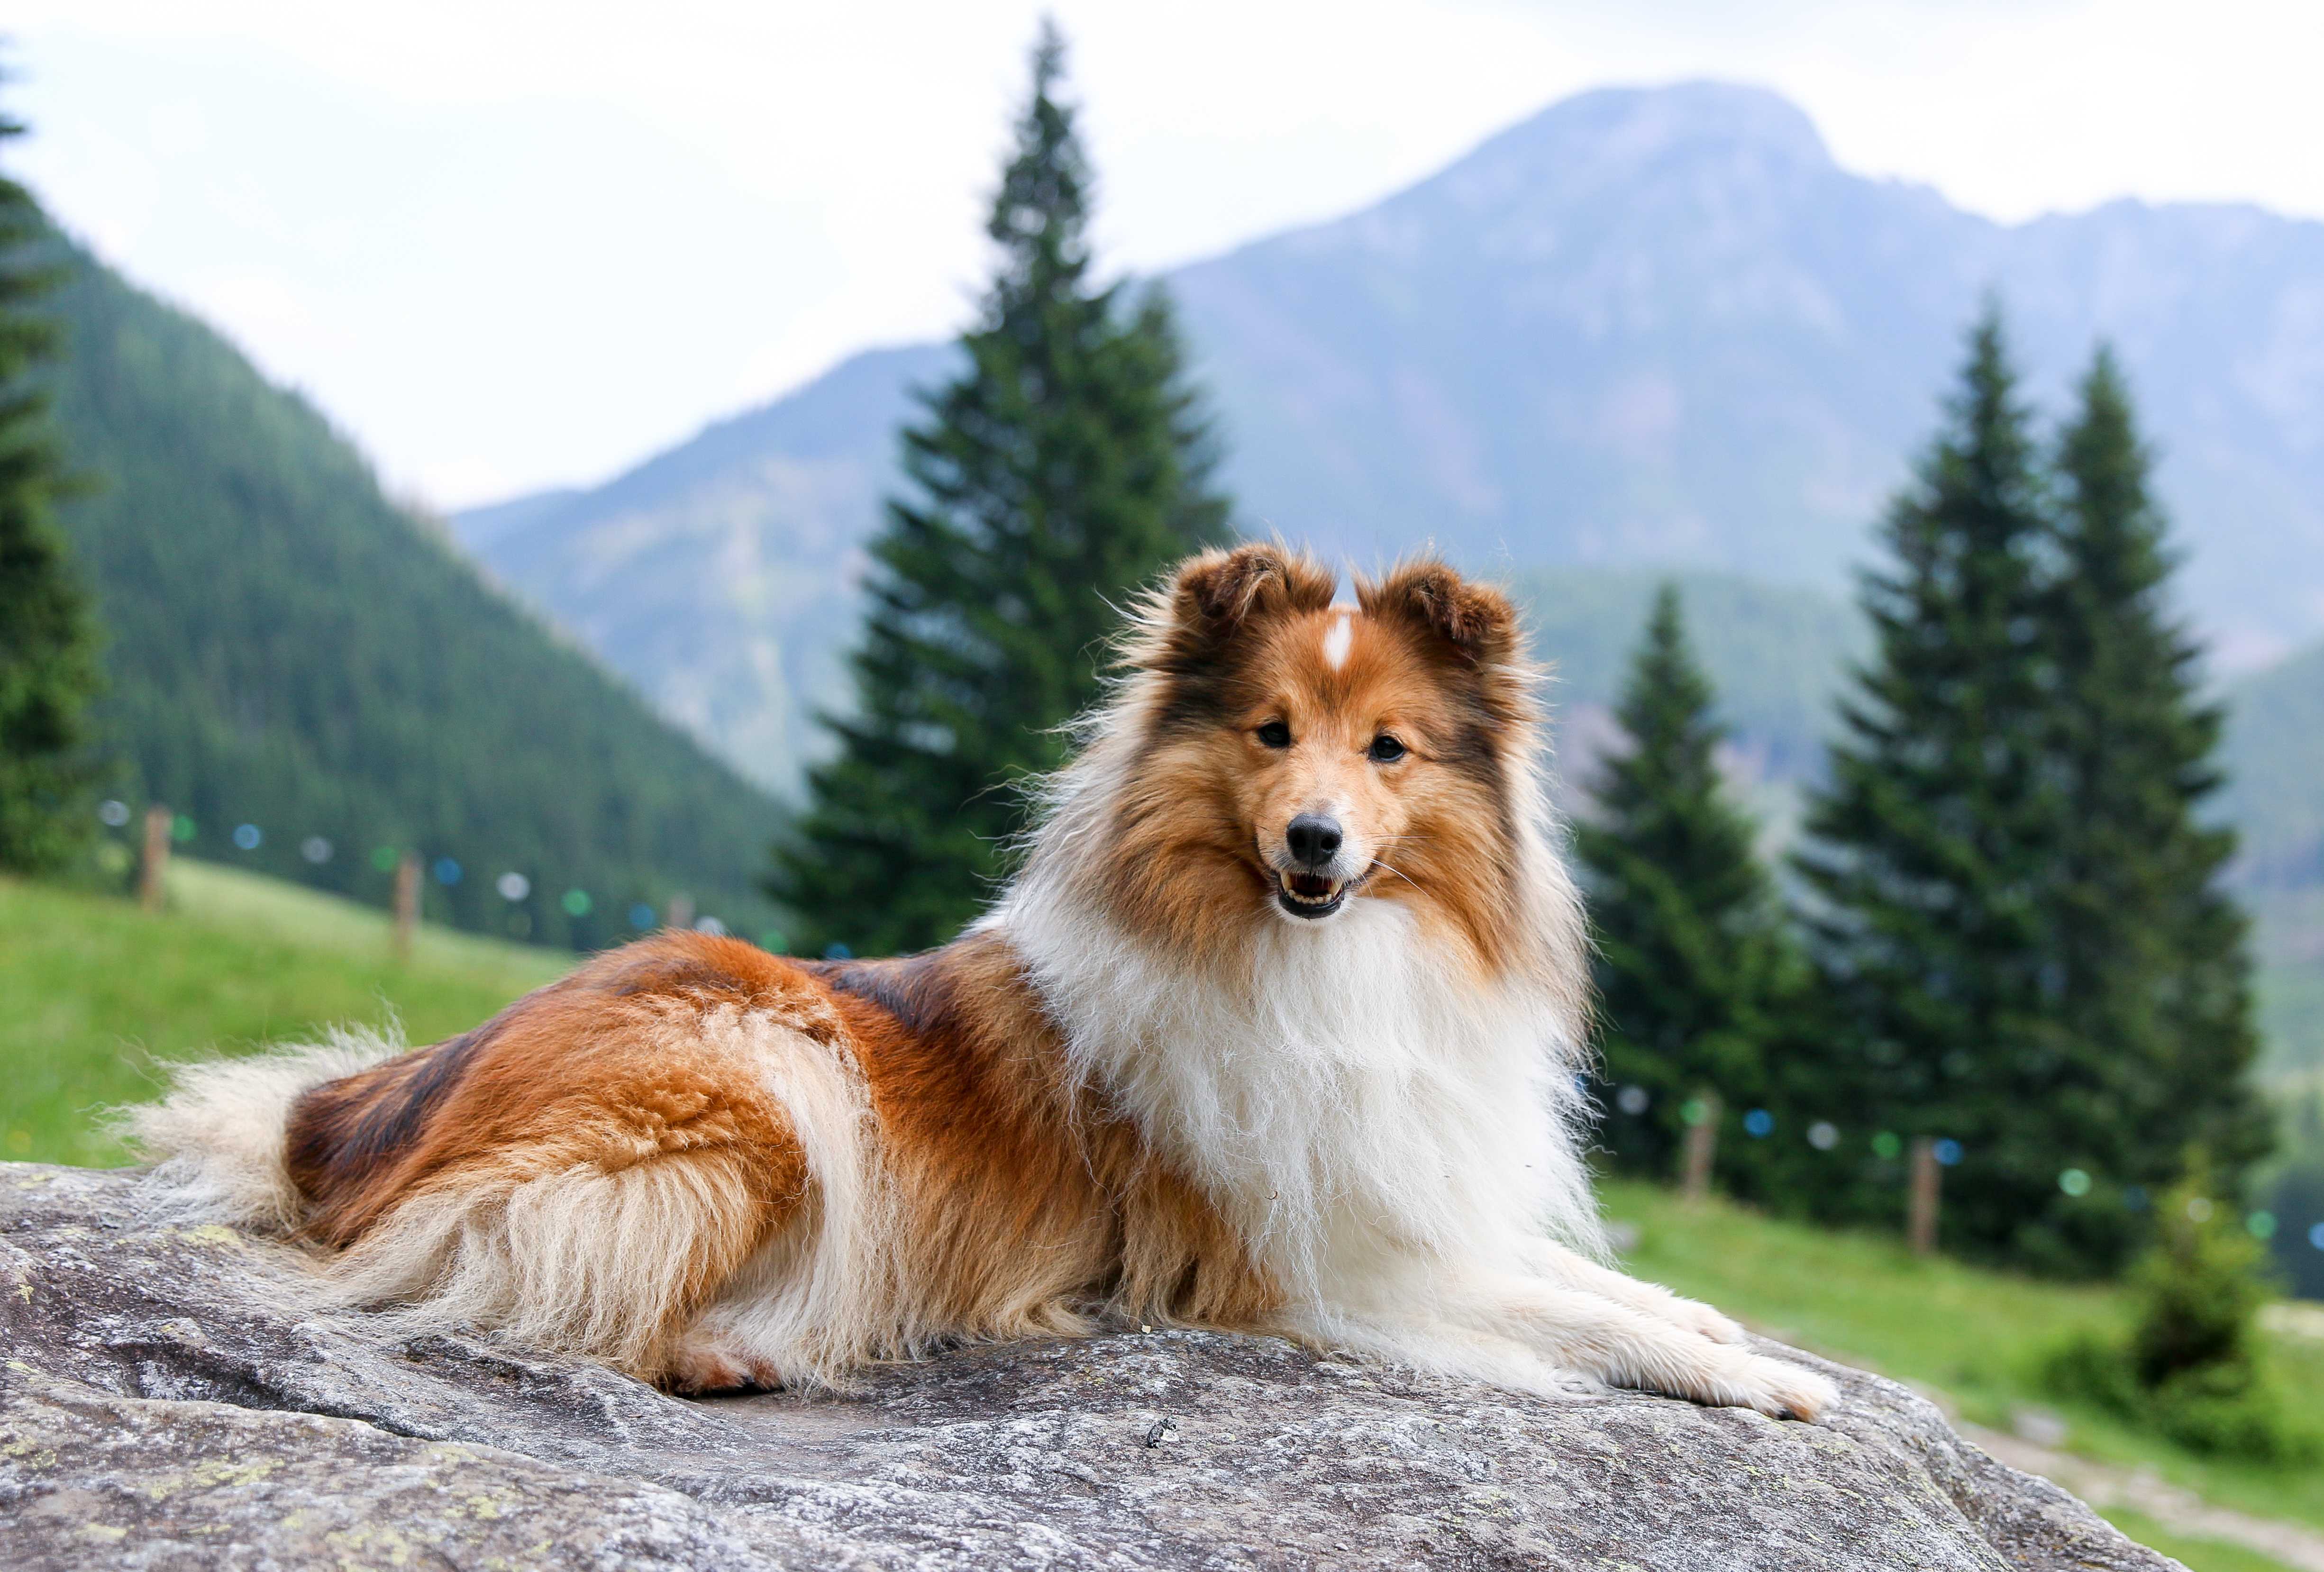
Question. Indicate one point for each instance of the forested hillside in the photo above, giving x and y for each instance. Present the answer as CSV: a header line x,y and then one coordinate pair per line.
x,y
720,577
292,652
2275,762
1777,652
2275,757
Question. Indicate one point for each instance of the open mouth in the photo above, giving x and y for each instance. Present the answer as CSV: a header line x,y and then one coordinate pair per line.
x,y
1309,895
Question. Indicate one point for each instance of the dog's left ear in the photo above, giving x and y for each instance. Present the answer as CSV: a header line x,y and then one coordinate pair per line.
x,y
1472,627
1473,623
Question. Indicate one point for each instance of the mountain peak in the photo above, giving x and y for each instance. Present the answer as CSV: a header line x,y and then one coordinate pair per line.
x,y
1641,121
1611,137
1618,140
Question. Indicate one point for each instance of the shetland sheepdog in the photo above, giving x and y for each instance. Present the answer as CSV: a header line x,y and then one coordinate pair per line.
x,y
1277,1030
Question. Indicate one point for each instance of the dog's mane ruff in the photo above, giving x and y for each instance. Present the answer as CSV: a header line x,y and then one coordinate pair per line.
x,y
1380,1125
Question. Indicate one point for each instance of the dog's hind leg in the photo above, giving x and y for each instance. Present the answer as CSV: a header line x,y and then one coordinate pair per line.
x,y
602,1227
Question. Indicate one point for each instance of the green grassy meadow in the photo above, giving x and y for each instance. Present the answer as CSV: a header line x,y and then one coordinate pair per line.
x,y
1970,1336
2200,1554
95,992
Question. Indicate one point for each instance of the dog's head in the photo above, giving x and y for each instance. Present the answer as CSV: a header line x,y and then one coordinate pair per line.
x,y
1293,757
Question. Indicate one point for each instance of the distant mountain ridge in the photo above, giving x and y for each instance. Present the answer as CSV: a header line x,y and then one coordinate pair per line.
x,y
1664,325
720,576
1645,327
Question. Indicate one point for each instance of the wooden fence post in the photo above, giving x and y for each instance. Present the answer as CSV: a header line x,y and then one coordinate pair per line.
x,y
1921,1223
1701,1146
406,903
154,875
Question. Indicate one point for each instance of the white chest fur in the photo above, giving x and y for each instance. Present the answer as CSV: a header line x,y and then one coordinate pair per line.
x,y
1365,1114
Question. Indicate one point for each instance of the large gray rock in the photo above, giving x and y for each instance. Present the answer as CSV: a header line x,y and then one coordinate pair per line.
x,y
166,1402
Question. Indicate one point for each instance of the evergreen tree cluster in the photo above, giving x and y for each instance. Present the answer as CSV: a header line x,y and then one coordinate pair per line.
x,y
1063,467
48,638
1696,969
2008,890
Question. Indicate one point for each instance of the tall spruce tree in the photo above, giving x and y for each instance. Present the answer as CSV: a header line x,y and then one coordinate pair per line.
x,y
1694,970
1068,463
48,638
2155,997
1936,843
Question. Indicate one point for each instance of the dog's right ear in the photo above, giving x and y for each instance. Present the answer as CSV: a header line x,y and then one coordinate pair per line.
x,y
1216,594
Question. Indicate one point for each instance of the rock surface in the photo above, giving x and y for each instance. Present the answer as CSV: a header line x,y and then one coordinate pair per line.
x,y
166,1403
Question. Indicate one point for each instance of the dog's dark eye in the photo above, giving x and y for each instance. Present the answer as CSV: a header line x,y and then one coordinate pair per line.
x,y
1275,734
1386,749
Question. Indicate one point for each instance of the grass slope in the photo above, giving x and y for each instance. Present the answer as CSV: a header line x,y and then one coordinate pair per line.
x,y
94,992
2199,1555
1973,1335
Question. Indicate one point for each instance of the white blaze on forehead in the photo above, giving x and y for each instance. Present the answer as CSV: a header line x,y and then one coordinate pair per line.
x,y
1336,641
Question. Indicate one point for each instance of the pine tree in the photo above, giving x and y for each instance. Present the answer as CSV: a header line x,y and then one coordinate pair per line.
x,y
48,638
1693,967
1936,844
1066,464
2156,993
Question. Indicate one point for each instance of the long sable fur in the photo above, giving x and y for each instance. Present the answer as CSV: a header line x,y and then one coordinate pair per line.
x,y
1136,1090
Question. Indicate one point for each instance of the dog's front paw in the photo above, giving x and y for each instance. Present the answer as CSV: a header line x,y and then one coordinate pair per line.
x,y
1782,1390
1723,1377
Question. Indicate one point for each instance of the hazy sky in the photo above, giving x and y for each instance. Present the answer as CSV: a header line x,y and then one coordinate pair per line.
x,y
509,245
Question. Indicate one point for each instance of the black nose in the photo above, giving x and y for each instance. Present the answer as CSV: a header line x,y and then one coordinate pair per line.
x,y
1314,839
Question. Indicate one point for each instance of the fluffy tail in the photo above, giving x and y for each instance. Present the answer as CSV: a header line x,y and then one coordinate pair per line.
x,y
218,1136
